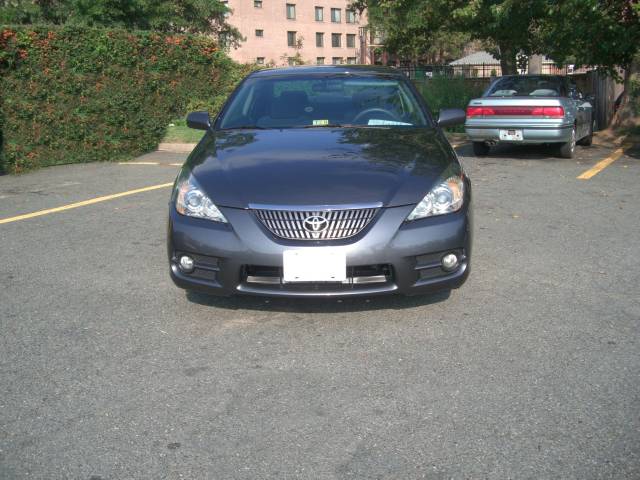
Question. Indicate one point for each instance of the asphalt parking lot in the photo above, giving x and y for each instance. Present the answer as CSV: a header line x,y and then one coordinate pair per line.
x,y
531,370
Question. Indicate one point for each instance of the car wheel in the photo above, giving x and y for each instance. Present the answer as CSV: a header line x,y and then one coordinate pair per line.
x,y
568,149
588,140
480,149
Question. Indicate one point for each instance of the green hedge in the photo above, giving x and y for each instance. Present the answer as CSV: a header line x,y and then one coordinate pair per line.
x,y
450,92
79,94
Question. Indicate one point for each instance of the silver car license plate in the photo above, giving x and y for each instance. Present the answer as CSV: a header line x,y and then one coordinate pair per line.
x,y
511,135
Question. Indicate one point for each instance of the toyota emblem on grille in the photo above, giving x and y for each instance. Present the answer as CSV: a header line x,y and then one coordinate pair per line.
x,y
315,224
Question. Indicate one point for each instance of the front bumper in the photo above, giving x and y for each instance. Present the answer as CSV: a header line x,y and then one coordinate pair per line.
x,y
531,133
227,256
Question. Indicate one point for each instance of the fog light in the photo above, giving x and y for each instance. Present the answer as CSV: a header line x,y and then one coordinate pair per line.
x,y
450,261
186,264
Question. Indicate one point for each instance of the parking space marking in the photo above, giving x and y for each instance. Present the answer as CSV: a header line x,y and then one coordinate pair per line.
x,y
601,165
83,203
456,145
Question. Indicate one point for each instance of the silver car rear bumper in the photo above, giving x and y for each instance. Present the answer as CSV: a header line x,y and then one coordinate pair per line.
x,y
530,134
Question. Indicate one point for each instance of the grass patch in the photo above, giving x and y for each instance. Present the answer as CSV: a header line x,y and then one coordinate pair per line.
x,y
178,132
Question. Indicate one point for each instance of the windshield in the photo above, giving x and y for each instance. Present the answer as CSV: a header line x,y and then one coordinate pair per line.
x,y
528,86
322,101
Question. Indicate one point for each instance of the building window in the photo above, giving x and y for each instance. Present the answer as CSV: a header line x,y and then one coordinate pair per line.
x,y
319,39
351,16
257,3
291,11
260,33
335,15
351,60
260,60
291,39
351,40
319,60
335,40
336,60
319,14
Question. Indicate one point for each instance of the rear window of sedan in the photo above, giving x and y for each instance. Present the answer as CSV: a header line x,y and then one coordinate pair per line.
x,y
321,101
528,86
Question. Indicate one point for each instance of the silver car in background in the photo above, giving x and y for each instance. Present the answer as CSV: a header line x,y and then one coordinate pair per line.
x,y
530,109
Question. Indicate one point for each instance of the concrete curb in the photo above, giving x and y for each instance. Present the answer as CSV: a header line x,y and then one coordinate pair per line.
x,y
176,147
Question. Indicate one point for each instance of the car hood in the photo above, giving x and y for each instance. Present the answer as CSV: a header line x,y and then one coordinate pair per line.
x,y
320,166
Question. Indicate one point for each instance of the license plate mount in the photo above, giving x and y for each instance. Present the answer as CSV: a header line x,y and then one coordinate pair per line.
x,y
511,135
314,265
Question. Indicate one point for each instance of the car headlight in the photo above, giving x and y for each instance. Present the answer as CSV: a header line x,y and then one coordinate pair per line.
x,y
190,200
445,197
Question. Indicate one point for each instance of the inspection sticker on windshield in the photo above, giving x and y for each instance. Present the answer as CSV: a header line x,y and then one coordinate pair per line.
x,y
321,122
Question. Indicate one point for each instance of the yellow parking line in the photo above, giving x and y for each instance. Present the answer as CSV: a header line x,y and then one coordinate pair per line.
x,y
84,203
601,165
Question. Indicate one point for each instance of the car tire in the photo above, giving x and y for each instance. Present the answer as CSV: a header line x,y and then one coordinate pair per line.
x,y
568,149
480,149
588,140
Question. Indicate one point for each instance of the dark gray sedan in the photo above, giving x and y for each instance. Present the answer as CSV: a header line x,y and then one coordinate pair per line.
x,y
321,181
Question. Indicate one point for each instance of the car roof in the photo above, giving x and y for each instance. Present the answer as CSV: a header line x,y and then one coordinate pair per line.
x,y
303,70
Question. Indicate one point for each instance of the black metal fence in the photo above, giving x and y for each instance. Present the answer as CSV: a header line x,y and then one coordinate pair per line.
x,y
478,70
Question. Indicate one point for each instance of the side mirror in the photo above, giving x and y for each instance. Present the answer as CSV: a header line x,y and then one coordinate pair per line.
x,y
199,120
451,116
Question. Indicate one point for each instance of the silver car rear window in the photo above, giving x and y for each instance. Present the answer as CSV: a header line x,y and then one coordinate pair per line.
x,y
528,86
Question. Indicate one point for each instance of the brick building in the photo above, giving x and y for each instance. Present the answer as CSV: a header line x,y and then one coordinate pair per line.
x,y
282,32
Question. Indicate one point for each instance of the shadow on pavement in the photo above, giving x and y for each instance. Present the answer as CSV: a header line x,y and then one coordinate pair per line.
x,y
633,151
316,305
545,153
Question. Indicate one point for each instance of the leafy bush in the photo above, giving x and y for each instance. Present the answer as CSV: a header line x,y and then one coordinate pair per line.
x,y
450,92
80,94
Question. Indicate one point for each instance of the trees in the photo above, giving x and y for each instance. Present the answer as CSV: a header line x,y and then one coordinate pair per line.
x,y
506,26
415,31
408,31
589,32
186,16
602,33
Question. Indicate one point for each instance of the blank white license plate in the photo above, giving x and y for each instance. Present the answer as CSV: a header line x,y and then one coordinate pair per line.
x,y
314,265
511,135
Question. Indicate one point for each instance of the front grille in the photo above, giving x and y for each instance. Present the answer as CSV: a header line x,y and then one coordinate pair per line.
x,y
316,224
